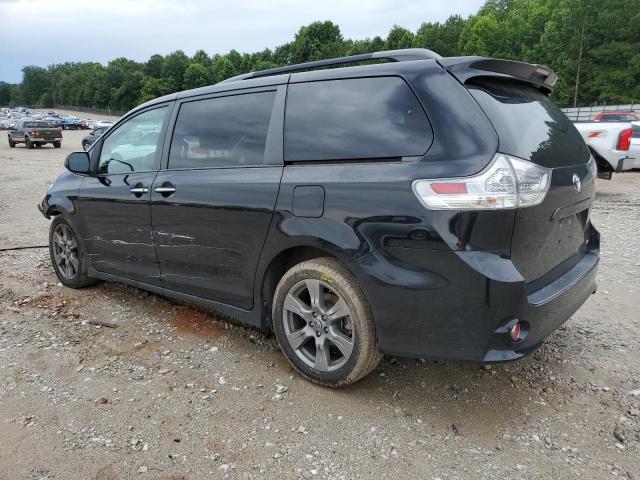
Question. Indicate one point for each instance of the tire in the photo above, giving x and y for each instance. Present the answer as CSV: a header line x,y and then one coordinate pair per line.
x,y
72,274
12,144
57,144
85,146
38,145
300,335
29,143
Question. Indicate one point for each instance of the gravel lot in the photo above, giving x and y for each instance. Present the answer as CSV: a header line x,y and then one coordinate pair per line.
x,y
167,392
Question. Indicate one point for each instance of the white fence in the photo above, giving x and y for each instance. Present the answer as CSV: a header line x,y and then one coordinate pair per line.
x,y
584,114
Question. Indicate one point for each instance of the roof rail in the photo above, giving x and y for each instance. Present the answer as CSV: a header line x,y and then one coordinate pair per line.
x,y
404,55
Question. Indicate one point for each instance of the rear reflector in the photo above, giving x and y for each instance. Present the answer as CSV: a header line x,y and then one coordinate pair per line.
x,y
449,188
515,332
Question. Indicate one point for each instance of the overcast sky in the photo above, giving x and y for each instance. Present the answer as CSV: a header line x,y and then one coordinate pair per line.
x,y
41,32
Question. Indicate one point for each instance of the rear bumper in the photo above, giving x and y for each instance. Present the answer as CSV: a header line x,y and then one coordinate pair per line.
x,y
458,305
624,164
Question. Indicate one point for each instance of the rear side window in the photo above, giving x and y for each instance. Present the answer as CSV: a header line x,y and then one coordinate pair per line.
x,y
528,123
354,119
222,132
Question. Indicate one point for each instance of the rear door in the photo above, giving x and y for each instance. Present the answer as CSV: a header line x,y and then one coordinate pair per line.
x,y
212,204
552,235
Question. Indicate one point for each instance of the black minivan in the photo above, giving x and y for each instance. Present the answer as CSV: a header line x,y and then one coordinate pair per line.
x,y
403,204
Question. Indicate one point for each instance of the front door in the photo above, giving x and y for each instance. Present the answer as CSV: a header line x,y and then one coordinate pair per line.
x,y
114,205
212,207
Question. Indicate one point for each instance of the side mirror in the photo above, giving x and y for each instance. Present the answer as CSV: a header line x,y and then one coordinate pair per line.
x,y
78,162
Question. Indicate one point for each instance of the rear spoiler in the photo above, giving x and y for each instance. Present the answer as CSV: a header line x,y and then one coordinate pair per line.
x,y
465,68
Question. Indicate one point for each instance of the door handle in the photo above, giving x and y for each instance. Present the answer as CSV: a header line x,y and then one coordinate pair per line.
x,y
166,189
139,189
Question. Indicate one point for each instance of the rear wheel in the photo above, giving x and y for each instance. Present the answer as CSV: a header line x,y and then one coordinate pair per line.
x,y
28,143
57,144
38,145
324,324
67,258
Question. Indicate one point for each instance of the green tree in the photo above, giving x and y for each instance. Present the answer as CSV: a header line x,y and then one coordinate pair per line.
x,y
593,46
5,93
442,38
317,41
196,75
173,68
222,69
35,81
399,38
153,88
153,67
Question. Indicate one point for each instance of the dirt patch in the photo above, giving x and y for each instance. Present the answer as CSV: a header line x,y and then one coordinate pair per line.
x,y
188,321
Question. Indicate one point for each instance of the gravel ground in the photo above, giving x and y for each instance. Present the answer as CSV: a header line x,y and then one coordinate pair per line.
x,y
113,383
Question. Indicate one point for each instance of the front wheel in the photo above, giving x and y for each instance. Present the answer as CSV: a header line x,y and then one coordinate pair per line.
x,y
324,323
67,258
85,146
12,144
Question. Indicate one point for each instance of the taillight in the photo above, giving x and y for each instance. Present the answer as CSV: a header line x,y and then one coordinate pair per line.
x,y
624,139
34,133
508,182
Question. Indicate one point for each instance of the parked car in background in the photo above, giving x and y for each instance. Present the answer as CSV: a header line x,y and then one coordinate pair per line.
x,y
7,124
616,117
53,121
70,123
34,133
609,144
89,139
103,123
425,207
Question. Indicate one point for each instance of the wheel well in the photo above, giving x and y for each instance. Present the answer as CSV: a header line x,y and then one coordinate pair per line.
x,y
276,269
602,164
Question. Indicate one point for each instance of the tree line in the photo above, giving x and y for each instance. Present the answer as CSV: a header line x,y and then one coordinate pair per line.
x,y
593,46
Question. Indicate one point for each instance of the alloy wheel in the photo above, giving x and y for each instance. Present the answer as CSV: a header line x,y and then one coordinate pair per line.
x,y
318,327
65,251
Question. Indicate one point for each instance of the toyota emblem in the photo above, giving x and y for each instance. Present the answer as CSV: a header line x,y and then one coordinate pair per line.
x,y
577,184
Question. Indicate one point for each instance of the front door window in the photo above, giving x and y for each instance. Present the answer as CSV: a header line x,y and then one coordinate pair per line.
x,y
134,145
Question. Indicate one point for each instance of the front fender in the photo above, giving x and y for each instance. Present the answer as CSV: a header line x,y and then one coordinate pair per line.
x,y
60,196
56,204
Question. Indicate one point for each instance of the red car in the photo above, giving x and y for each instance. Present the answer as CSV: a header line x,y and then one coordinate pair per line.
x,y
616,117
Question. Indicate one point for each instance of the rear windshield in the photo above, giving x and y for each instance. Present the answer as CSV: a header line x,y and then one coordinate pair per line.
x,y
528,123
36,124
616,117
